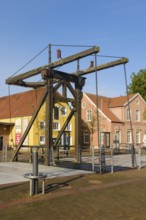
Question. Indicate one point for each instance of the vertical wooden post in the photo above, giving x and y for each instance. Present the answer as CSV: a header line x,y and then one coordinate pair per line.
x,y
49,123
78,88
49,118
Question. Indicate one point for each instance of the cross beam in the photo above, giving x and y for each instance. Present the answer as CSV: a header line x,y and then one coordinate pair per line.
x,y
15,79
103,66
58,75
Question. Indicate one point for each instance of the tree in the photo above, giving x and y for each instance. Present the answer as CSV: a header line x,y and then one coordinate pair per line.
x,y
138,83
144,114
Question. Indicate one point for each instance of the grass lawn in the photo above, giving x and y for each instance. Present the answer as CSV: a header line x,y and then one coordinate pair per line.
x,y
117,196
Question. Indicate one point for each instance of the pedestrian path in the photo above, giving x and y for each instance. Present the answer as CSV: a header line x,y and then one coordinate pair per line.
x,y
12,172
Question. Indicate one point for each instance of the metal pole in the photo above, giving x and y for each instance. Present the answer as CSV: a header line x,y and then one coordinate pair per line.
x,y
112,164
133,159
93,158
35,171
139,157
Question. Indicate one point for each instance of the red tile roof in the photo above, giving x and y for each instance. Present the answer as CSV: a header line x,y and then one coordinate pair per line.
x,y
105,103
119,101
20,104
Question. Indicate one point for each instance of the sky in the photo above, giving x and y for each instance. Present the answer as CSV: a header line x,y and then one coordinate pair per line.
x,y
29,26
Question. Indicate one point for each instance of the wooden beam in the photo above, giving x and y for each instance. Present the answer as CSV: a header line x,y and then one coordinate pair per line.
x,y
71,89
48,73
103,66
30,84
49,123
15,79
63,99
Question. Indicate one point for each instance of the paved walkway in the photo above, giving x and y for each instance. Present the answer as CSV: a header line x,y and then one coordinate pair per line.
x,y
11,172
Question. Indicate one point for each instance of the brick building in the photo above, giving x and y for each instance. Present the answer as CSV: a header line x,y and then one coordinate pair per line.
x,y
119,121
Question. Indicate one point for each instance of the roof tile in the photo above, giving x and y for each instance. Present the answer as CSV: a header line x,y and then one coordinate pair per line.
x,y
20,104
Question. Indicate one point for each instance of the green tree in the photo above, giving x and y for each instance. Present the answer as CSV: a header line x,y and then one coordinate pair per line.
x,y
138,83
144,114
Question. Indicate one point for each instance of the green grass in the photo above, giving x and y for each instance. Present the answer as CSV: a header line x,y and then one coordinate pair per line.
x,y
117,196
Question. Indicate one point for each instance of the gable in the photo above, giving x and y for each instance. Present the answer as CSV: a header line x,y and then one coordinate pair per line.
x,y
103,106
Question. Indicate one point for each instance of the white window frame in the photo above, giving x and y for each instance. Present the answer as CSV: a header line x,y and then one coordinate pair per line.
x,y
129,137
137,136
56,126
88,115
128,114
69,127
137,113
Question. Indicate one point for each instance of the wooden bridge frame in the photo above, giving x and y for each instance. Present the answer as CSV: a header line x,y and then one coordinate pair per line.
x,y
52,81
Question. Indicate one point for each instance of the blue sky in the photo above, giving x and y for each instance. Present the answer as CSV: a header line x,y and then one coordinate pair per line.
x,y
117,27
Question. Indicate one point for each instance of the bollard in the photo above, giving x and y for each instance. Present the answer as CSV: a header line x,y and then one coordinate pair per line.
x,y
35,175
35,171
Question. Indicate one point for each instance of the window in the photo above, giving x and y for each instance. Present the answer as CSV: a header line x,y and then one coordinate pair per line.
x,y
63,110
118,136
18,125
137,115
56,126
42,140
86,137
83,105
138,137
129,137
128,114
88,115
56,113
42,125
68,128
65,139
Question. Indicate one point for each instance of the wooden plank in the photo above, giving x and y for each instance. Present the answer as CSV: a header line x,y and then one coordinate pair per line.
x,y
48,73
15,79
30,84
103,66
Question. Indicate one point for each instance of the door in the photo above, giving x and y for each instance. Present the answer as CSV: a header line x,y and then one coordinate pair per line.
x,y
1,143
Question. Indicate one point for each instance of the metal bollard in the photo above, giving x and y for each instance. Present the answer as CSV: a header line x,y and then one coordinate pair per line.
x,y
35,171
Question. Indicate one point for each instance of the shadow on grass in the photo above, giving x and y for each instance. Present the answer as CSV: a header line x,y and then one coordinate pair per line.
x,y
11,185
54,186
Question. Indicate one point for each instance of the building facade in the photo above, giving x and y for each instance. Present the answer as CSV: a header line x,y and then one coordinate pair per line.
x,y
16,112
118,121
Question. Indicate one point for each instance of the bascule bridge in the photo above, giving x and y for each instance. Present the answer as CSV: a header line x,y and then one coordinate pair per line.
x,y
53,80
